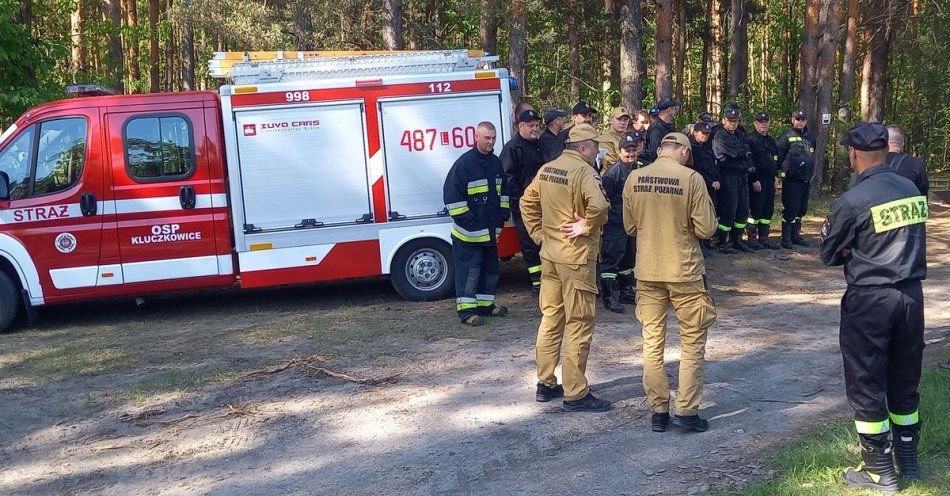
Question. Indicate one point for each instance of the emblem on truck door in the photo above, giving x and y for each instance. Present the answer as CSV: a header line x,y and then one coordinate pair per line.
x,y
65,242
250,130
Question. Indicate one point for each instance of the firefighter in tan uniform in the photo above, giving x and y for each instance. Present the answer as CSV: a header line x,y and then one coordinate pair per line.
x,y
609,153
666,206
564,209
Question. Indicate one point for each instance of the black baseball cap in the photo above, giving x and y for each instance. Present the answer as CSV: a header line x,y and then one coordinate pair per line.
x,y
583,107
706,116
528,115
654,112
731,113
666,103
798,114
552,114
638,135
627,140
703,126
866,136
762,116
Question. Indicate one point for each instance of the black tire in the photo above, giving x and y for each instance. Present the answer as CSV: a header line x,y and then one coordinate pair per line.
x,y
9,302
424,270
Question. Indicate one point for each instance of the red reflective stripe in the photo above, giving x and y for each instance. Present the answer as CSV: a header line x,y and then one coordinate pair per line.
x,y
352,93
379,201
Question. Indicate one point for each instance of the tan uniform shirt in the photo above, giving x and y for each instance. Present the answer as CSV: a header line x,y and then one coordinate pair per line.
x,y
612,145
666,206
563,187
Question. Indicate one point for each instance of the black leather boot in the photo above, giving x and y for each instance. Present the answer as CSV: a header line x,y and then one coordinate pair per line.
x,y
723,243
752,234
612,301
764,237
797,238
735,240
876,471
786,236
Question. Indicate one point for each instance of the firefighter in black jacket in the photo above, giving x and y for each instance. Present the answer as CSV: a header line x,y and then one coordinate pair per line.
x,y
762,202
521,158
796,154
877,231
619,249
476,196
705,163
662,125
735,164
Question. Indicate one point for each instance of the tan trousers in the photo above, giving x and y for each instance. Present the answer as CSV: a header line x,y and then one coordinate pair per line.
x,y
568,298
695,311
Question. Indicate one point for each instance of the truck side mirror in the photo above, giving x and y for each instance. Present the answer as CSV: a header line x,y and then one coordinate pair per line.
x,y
4,186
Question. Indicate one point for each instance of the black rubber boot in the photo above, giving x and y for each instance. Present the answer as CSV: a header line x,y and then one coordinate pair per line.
x,y
764,237
786,236
752,234
628,295
797,238
690,423
474,320
547,393
906,439
723,244
876,471
735,240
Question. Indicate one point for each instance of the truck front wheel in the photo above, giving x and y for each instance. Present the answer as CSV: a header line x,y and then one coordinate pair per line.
x,y
9,302
423,270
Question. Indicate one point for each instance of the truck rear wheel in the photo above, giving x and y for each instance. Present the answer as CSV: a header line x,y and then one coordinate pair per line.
x,y
9,302
423,270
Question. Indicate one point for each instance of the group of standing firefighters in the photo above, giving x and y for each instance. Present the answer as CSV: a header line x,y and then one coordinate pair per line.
x,y
592,206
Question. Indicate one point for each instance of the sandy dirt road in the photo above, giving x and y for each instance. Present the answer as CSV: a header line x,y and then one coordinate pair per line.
x,y
106,399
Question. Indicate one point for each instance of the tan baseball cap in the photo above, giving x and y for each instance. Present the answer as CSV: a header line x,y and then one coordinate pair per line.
x,y
680,139
619,112
584,132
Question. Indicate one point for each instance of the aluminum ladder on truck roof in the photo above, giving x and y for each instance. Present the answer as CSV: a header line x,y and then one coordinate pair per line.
x,y
277,67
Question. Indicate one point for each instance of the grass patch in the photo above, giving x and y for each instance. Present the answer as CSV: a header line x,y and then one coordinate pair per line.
x,y
173,382
812,465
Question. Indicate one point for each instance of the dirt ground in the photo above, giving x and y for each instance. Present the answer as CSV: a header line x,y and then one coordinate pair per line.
x,y
198,393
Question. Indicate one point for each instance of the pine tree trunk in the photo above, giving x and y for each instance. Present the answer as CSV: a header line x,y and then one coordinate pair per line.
x,y
303,26
714,99
574,51
132,20
153,55
704,66
518,46
488,26
664,49
392,25
848,62
78,62
824,82
739,51
631,56
811,36
681,61
169,50
882,18
187,48
113,14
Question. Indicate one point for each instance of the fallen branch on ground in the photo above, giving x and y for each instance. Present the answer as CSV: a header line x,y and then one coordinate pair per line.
x,y
307,364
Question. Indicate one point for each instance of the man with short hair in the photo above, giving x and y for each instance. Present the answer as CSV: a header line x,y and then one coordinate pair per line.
x,y
618,123
582,113
704,162
564,209
640,122
616,268
762,184
666,207
733,155
877,230
551,142
663,125
905,165
521,158
796,155
475,195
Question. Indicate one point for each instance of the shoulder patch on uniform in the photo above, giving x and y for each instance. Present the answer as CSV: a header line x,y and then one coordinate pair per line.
x,y
825,230
899,213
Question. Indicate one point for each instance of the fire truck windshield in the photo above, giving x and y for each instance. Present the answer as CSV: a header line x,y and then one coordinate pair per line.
x,y
15,161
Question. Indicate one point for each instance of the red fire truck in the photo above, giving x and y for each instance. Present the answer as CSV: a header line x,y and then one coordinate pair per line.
x,y
305,168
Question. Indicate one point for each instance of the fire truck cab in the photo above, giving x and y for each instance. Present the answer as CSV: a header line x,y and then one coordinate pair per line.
x,y
306,168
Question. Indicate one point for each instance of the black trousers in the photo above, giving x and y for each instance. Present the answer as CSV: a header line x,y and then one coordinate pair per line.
x,y
762,204
794,200
476,276
530,250
882,345
619,254
733,204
